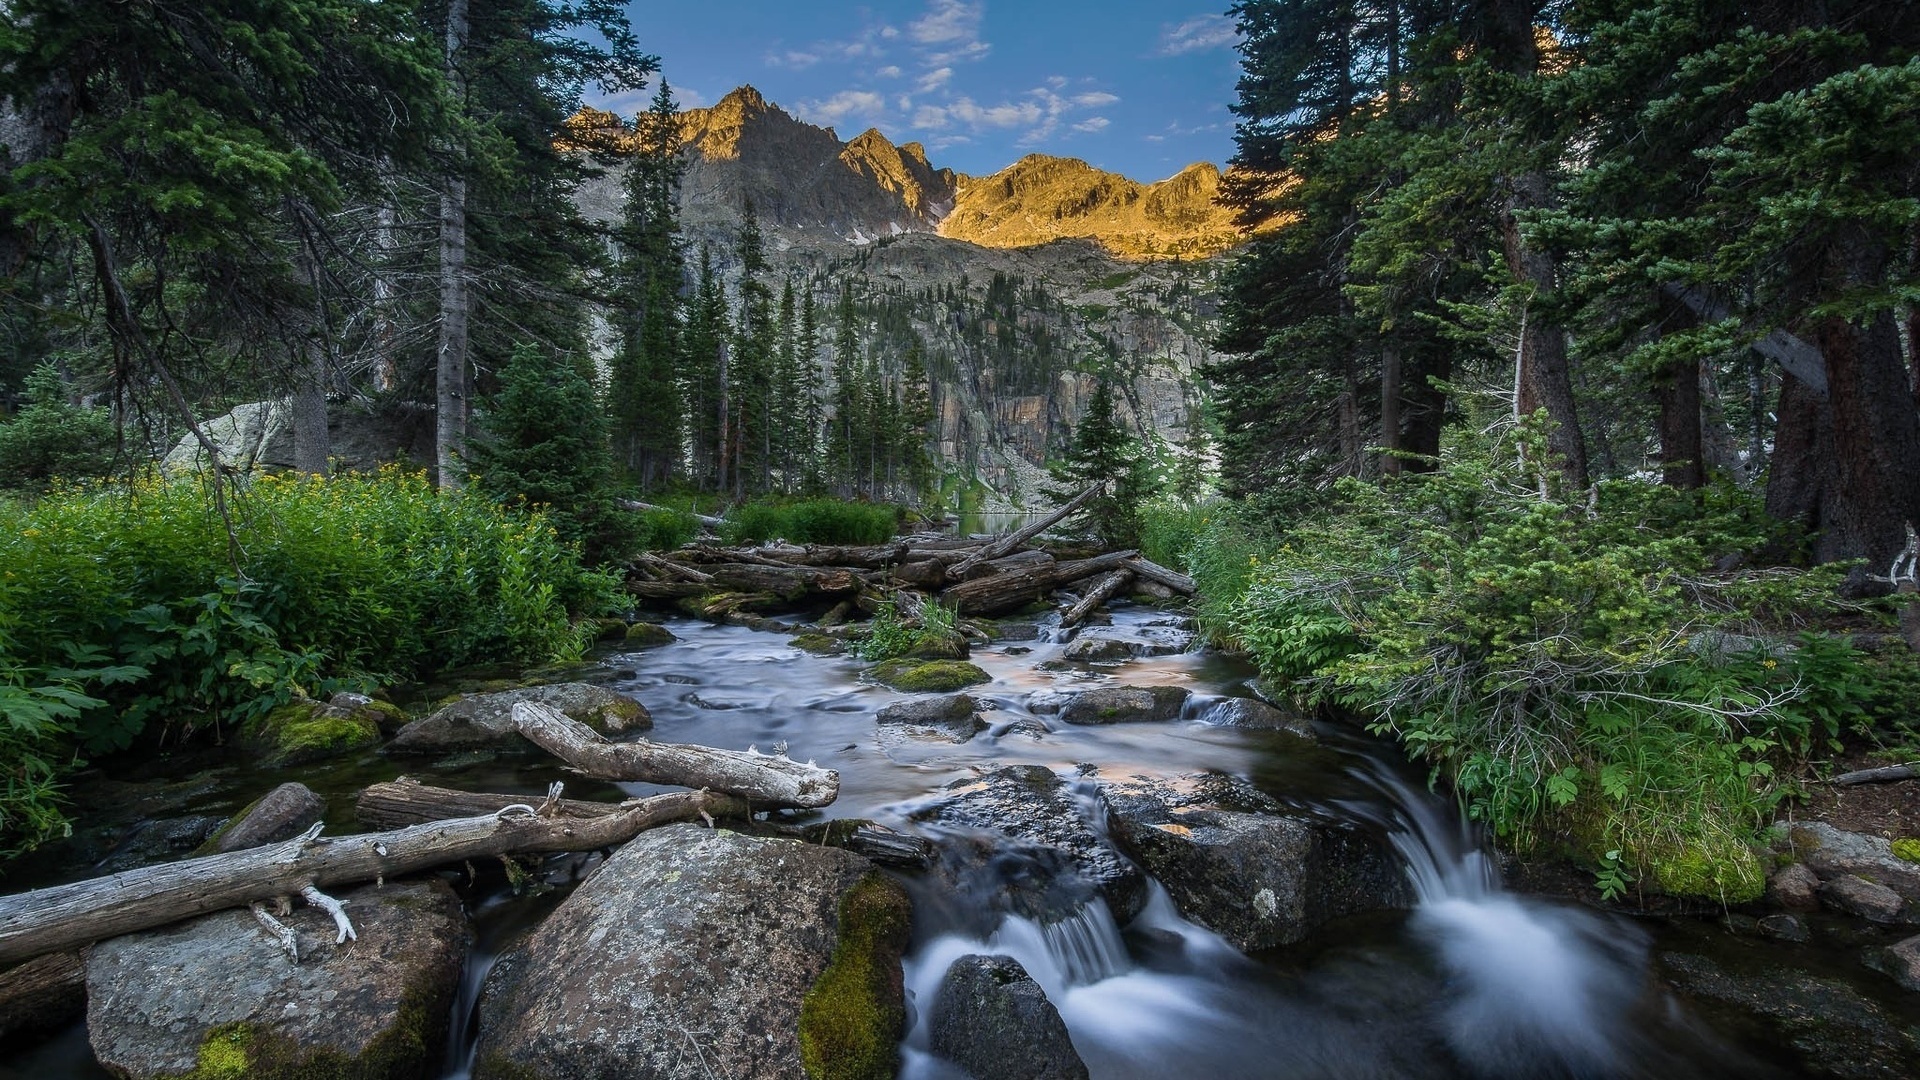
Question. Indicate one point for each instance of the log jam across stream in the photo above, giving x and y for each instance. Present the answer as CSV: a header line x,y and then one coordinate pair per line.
x,y
1473,981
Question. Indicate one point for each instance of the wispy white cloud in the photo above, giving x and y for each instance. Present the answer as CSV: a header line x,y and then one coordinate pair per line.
x,y
1092,124
1095,99
949,32
935,79
863,104
1197,34
891,71
795,59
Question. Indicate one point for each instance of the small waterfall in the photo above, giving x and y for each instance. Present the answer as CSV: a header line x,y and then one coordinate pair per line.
x,y
1536,989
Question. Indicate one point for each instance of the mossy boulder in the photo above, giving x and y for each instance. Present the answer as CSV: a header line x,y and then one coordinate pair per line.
x,y
280,814
1125,705
779,958
819,644
609,629
213,998
304,730
646,635
928,676
483,720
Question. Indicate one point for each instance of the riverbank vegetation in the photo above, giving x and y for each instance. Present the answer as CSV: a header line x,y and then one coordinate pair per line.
x,y
137,611
1572,406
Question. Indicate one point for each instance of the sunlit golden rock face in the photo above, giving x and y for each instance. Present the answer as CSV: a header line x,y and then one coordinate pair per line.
x,y
799,176
1039,199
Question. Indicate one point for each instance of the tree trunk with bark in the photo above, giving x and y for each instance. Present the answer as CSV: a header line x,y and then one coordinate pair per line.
x,y
452,400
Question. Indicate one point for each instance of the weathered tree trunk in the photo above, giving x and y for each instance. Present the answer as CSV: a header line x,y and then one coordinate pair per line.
x,y
1390,379
43,993
1682,451
1801,474
1019,560
1153,571
450,373
312,445
1014,540
1546,379
761,779
403,802
791,582
52,920
1882,775
1002,591
1102,591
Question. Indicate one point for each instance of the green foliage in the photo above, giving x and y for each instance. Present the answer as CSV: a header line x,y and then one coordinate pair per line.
x,y
664,529
1575,667
546,446
890,636
51,439
1103,452
141,618
1170,530
811,521
1907,849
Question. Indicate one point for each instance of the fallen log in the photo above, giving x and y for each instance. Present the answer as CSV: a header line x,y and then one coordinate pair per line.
x,y
764,780
1881,775
44,993
867,557
1019,560
984,596
1153,571
1100,593
641,507
791,582
67,916
399,803
666,590
671,569
1013,541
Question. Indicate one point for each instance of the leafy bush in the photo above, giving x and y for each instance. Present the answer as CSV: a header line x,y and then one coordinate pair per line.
x,y
889,636
142,612
812,521
664,530
1169,531
1574,665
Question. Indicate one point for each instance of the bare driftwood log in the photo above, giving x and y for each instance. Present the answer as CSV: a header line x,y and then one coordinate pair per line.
x,y
762,779
52,920
1014,541
1882,775
45,992
406,801
788,581
1153,571
671,569
928,573
869,557
667,590
1019,560
709,522
1014,588
1100,593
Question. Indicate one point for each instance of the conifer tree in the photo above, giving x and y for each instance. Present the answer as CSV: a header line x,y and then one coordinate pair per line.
x,y
1101,451
647,412
703,349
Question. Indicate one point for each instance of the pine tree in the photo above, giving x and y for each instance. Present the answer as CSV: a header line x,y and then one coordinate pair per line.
x,y
848,400
1101,451
647,412
703,349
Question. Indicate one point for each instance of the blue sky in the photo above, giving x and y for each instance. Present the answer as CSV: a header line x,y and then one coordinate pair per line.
x,y
1140,87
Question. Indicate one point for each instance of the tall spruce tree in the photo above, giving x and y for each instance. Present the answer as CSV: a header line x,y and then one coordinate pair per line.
x,y
648,415
1102,452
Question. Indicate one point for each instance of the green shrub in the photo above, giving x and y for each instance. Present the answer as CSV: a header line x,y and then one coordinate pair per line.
x,y
140,615
51,439
813,521
664,530
1574,665
1169,531
890,636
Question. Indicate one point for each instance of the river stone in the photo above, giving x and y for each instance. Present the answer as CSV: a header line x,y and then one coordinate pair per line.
x,y
1795,887
1832,853
1239,712
696,953
1838,1032
303,730
947,717
928,676
993,1020
646,635
280,814
487,719
1900,962
1063,861
1238,863
1869,900
218,995
1125,705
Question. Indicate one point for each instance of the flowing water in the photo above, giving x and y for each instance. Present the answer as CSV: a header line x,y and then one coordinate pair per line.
x,y
1476,981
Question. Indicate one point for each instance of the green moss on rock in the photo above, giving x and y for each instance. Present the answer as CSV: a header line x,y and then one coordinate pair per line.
x,y
852,1017
819,644
929,677
304,731
245,1051
646,635
1907,849
1713,868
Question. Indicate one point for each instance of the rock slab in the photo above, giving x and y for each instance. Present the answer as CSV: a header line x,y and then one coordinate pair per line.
x,y
696,953
487,719
280,814
946,718
1239,864
1125,705
993,1020
218,995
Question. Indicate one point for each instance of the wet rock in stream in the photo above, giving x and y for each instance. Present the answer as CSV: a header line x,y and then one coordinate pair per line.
x,y
1125,705
1238,863
280,814
993,1020
487,719
1838,1032
218,995
1252,715
951,718
1058,861
696,953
